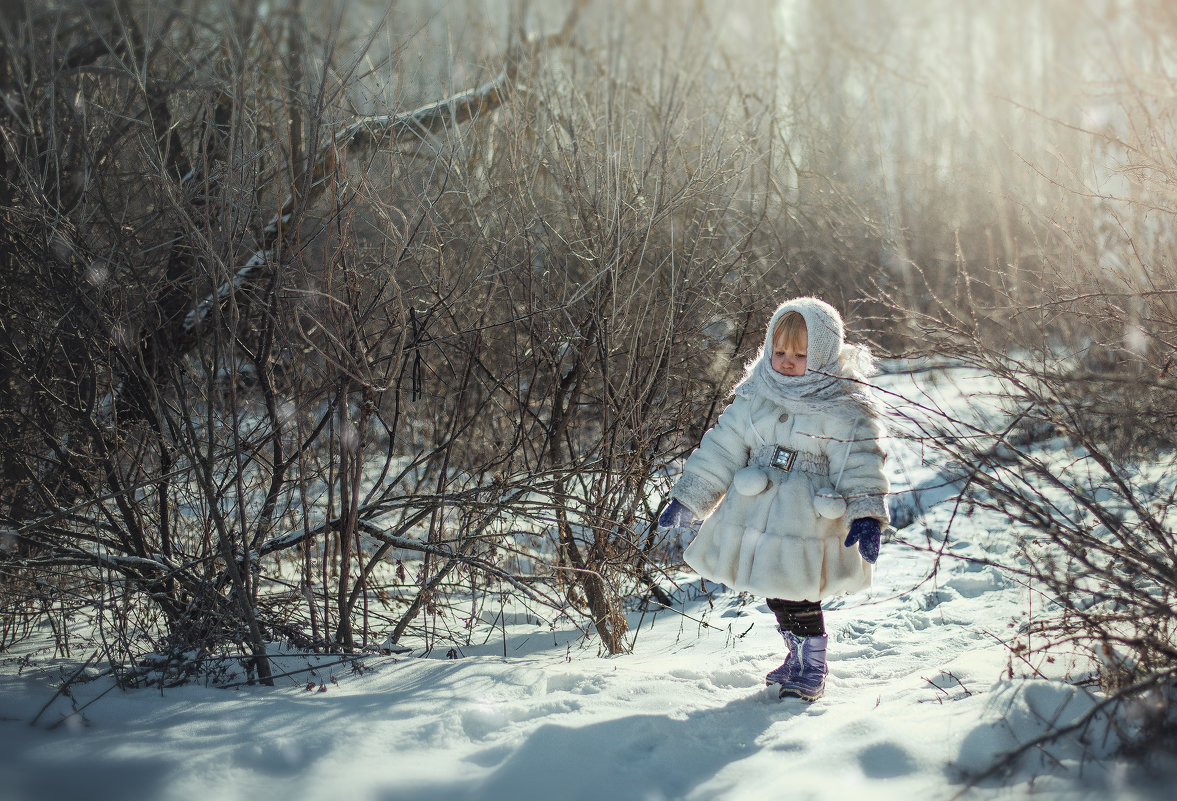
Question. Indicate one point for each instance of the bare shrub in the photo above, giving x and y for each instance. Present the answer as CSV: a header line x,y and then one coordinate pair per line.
x,y
196,354
277,373
1081,456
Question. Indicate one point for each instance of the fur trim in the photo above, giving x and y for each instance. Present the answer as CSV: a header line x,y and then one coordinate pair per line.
x,y
696,494
872,505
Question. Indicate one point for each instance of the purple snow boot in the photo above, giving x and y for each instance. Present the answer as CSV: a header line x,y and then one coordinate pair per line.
x,y
790,667
808,678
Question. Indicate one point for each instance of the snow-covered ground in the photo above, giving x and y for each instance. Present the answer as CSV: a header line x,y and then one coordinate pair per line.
x,y
924,691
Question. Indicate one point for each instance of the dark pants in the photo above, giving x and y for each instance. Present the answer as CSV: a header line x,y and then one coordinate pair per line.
x,y
803,618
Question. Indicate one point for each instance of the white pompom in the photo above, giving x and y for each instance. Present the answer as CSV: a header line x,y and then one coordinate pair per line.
x,y
828,503
750,481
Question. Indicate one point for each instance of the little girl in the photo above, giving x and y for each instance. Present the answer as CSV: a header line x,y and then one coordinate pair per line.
x,y
788,481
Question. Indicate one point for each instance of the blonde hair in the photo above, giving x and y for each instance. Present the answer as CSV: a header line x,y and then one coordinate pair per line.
x,y
790,332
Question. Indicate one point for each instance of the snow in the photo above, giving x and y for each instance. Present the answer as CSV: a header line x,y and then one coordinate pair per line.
x,y
925,690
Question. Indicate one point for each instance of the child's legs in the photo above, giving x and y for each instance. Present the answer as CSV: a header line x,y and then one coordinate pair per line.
x,y
803,618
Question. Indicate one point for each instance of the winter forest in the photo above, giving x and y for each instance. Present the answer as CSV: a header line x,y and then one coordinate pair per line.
x,y
348,350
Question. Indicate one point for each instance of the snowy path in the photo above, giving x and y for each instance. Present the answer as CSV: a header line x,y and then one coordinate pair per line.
x,y
686,716
919,691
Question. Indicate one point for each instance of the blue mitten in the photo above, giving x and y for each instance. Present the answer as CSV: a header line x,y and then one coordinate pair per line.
x,y
867,532
675,515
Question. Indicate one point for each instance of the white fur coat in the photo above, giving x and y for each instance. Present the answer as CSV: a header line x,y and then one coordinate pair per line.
x,y
763,530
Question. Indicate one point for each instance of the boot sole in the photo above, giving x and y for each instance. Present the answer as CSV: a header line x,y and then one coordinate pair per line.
x,y
792,692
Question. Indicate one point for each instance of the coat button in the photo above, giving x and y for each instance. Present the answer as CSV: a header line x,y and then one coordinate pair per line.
x,y
784,417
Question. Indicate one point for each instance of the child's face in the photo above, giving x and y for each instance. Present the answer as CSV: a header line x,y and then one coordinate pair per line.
x,y
788,358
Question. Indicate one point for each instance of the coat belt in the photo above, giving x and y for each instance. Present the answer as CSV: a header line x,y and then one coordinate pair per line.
x,y
806,461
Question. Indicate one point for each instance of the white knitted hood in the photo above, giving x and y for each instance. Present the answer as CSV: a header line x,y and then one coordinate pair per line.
x,y
834,372
823,325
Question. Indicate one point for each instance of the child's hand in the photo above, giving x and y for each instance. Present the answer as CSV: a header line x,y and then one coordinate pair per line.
x,y
867,532
676,515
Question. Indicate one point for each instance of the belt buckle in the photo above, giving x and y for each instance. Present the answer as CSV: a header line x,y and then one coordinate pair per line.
x,y
783,458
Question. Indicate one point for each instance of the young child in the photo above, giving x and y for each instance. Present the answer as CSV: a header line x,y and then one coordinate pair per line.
x,y
788,481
